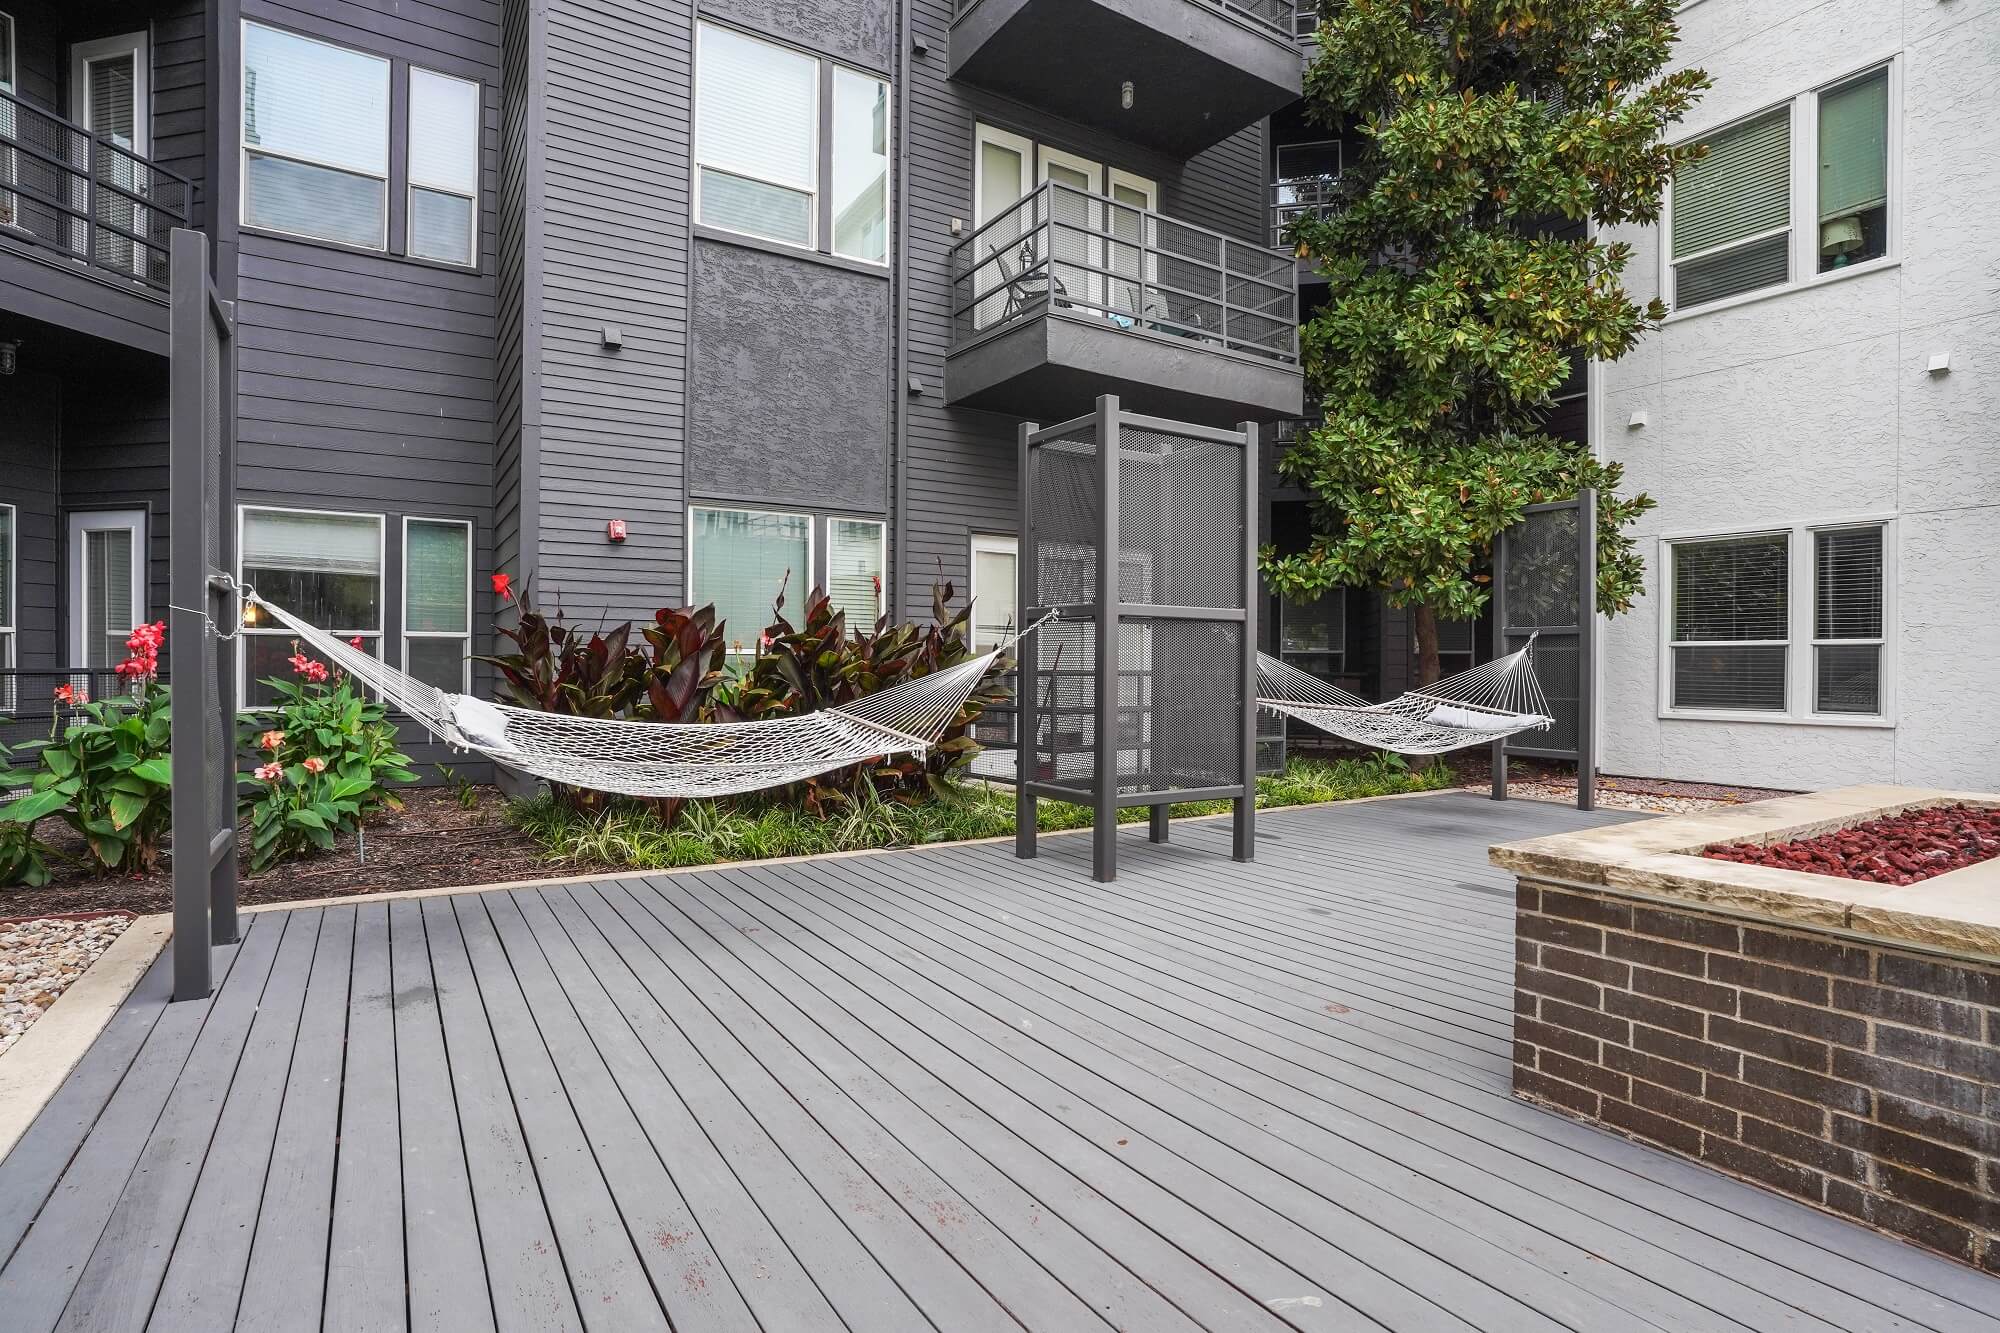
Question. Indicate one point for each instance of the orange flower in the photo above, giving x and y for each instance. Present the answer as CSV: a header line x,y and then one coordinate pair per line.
x,y
271,740
315,764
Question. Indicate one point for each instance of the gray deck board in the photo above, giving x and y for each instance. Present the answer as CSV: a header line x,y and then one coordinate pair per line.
x,y
940,1089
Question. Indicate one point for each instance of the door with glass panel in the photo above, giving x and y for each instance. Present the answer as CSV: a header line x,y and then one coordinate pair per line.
x,y
995,610
107,583
1076,228
108,97
1007,264
1133,295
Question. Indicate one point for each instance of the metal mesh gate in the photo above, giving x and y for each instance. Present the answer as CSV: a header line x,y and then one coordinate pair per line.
x,y
1545,585
204,769
1140,534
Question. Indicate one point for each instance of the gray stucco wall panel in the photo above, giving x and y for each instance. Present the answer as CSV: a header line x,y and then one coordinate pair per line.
x,y
860,31
788,387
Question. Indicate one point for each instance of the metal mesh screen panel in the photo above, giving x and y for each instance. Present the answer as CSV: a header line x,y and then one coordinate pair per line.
x,y
1065,742
1180,704
1063,477
216,740
1541,569
1556,669
1180,521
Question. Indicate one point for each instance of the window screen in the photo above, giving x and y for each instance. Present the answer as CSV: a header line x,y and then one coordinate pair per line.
x,y
740,560
854,570
1732,213
1847,621
324,568
315,138
444,167
756,135
1730,623
437,602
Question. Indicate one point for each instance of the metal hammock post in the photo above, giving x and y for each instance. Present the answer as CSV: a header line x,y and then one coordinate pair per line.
x,y
204,733
1139,536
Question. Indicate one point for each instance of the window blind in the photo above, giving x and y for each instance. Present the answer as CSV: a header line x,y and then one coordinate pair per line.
x,y
437,562
112,99
1854,146
1730,623
444,132
325,112
741,560
6,568
756,108
107,594
1847,605
994,599
854,570
1743,187
312,543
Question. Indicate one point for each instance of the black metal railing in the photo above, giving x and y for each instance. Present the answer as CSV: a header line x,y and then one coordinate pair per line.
x,y
1296,197
1086,256
85,197
1305,18
1280,14
29,707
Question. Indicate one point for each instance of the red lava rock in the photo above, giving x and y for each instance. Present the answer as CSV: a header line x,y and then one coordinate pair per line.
x,y
1897,849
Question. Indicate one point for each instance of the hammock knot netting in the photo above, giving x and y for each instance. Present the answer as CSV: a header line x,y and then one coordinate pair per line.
x,y
1491,701
666,759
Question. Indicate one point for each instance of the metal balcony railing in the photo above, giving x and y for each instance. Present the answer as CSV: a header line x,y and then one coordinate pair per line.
x,y
85,197
1305,18
28,704
1298,197
1279,14
1064,251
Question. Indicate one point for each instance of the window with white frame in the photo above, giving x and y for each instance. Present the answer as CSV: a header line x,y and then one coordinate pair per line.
x,y
739,560
995,590
1789,623
1848,621
1747,216
1731,636
315,138
7,611
444,168
325,568
757,136
437,602
855,549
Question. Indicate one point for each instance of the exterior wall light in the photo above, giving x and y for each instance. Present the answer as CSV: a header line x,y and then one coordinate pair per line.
x,y
9,357
1125,95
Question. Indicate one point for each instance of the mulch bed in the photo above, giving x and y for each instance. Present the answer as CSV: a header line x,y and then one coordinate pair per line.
x,y
1897,849
433,842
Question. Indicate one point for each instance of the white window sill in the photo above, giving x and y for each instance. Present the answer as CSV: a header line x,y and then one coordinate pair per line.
x,y
1784,289
1878,722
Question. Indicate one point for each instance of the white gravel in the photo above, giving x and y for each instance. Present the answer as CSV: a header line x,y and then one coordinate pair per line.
x,y
38,961
1610,798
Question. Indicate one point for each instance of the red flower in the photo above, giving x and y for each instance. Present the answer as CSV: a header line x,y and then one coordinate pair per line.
x,y
503,586
355,642
268,772
72,694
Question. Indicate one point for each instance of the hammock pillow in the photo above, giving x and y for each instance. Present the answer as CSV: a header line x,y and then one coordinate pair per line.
x,y
479,722
1471,719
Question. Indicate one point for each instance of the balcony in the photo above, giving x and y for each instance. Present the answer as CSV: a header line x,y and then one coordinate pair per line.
x,y
1068,295
1198,70
89,222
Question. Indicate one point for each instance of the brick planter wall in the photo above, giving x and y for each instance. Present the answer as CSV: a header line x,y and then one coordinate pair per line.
x,y
1864,1080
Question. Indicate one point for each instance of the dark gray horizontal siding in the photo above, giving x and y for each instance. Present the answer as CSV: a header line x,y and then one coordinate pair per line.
x,y
180,97
28,448
613,251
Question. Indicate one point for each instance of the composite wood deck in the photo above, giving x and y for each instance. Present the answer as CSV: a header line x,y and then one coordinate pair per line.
x,y
938,1089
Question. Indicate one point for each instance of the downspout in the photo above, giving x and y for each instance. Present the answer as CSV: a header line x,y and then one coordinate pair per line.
x,y
899,389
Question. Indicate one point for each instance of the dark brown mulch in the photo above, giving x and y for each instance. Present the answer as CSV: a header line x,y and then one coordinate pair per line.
x,y
433,842
1897,849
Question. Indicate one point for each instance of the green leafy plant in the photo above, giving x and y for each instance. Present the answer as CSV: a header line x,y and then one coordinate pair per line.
x,y
326,764
1465,282
462,788
821,663
23,856
105,769
558,668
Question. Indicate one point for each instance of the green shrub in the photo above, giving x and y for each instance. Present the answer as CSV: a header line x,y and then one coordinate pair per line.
x,y
23,857
105,772
822,664
327,757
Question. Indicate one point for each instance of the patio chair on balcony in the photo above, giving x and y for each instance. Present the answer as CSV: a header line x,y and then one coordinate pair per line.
x,y
1028,282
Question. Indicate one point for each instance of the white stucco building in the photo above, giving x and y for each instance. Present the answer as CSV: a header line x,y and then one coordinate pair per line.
x,y
1819,418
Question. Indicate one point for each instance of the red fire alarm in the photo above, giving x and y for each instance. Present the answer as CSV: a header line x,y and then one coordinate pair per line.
x,y
615,529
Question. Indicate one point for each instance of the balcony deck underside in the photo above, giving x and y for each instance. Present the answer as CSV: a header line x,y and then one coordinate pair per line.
x,y
41,285
1199,73
1051,366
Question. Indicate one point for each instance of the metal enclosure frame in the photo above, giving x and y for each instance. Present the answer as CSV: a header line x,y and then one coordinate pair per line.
x,y
1583,631
204,740
1106,611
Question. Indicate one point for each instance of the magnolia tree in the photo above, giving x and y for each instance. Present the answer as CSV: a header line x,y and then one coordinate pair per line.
x,y
1463,282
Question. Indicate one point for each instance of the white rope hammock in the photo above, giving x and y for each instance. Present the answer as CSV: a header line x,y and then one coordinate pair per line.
x,y
1474,707
666,759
